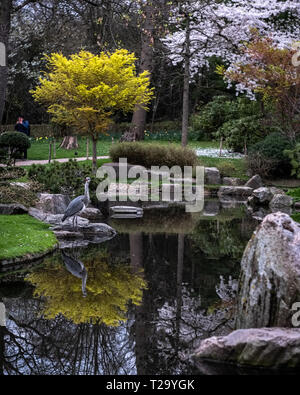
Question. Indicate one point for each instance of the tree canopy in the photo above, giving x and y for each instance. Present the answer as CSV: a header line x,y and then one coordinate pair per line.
x,y
85,90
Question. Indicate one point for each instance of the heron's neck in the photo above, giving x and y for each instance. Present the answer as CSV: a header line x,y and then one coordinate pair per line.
x,y
87,192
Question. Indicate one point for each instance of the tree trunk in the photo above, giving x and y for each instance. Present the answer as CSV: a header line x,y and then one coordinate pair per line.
x,y
95,140
5,15
87,148
139,119
70,142
186,87
50,151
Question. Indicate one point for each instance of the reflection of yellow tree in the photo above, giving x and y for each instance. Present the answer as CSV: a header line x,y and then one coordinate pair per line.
x,y
109,290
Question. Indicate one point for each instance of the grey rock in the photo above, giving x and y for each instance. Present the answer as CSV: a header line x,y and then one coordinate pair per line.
x,y
297,205
24,185
279,201
270,274
212,176
277,191
55,219
53,204
255,182
275,348
240,192
263,195
12,209
68,235
92,214
260,213
85,235
285,210
233,182
252,201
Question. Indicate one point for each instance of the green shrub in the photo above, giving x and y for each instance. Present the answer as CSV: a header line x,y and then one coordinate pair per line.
x,y
66,178
294,156
148,155
226,169
12,144
11,173
221,110
239,134
259,164
13,194
270,151
211,117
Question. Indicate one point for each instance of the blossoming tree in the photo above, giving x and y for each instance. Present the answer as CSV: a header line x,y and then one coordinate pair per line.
x,y
208,27
268,71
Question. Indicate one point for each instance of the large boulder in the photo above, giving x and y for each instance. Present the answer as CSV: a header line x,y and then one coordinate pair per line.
x,y
272,348
255,182
212,176
280,201
53,204
270,277
263,195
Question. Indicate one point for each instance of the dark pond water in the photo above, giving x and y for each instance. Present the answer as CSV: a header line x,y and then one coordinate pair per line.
x,y
141,304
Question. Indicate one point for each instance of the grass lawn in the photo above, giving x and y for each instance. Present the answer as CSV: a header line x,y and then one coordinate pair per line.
x,y
40,149
22,234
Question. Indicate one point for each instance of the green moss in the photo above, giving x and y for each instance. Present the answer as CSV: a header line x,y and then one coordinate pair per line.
x,y
22,234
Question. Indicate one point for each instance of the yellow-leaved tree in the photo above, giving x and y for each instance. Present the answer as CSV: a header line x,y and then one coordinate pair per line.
x,y
85,90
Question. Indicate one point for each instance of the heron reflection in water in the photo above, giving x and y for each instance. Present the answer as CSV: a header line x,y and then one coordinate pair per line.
x,y
76,267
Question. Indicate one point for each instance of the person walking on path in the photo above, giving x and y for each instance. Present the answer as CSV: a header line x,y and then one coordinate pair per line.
x,y
23,126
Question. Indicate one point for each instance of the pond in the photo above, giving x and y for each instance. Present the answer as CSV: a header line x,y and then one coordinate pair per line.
x,y
137,304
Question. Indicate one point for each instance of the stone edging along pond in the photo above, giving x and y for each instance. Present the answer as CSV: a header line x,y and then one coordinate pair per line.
x,y
30,257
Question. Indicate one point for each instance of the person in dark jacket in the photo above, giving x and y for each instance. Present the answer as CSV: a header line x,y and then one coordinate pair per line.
x,y
23,126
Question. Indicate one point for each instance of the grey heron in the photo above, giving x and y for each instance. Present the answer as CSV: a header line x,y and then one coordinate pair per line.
x,y
78,204
76,268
